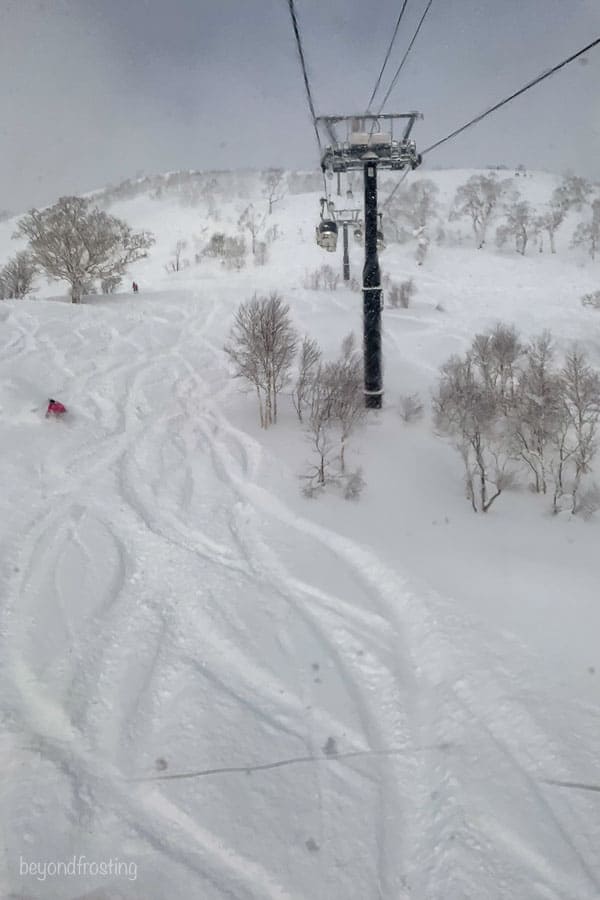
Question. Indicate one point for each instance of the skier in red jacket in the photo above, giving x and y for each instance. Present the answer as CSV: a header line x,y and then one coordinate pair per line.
x,y
55,408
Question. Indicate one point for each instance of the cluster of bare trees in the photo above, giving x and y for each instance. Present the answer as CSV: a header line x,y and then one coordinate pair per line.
x,y
488,200
328,398
400,295
264,348
81,244
17,276
323,278
508,407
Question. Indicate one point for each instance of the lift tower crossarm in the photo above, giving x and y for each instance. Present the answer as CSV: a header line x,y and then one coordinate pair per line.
x,y
366,136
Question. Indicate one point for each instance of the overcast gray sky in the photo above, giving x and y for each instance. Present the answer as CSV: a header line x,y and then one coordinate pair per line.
x,y
93,91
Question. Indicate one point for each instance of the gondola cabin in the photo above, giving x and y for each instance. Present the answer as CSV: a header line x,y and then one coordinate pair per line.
x,y
327,234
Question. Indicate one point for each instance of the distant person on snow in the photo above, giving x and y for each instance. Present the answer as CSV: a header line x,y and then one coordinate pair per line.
x,y
55,409
135,287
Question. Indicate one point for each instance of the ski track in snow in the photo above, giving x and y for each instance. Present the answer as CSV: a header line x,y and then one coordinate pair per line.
x,y
90,702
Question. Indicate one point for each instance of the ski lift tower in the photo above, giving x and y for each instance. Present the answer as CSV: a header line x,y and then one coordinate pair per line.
x,y
367,142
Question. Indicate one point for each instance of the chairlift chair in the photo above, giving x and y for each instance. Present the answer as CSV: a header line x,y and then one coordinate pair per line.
x,y
327,235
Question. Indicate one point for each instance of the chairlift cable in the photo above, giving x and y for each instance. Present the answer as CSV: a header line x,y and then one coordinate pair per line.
x,y
405,57
388,199
309,97
387,55
518,93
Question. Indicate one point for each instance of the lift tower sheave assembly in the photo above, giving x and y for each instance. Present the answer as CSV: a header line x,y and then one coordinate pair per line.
x,y
369,143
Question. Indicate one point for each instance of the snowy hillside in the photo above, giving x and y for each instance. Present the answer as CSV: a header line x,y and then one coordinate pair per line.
x,y
173,606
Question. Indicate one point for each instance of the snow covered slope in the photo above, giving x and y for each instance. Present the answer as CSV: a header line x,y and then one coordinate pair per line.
x,y
219,689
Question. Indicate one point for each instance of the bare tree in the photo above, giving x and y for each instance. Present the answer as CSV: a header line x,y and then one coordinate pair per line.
x,y
466,409
344,381
274,186
537,412
76,242
319,432
588,233
177,262
262,345
253,222
310,361
496,355
479,199
17,276
581,399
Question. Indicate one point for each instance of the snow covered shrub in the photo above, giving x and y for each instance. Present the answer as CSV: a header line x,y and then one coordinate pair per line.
x,y
109,285
592,300
261,257
422,246
411,408
262,345
17,276
354,485
401,294
589,502
234,253
216,244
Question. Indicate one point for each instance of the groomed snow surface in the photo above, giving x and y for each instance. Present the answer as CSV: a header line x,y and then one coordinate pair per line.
x,y
172,604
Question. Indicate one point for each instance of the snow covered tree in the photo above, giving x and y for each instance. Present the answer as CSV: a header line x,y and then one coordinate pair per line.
x,y
262,345
572,193
78,243
16,277
550,221
417,205
274,186
587,234
519,224
479,199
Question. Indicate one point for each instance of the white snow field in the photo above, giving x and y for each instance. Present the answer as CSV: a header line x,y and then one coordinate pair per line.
x,y
369,698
